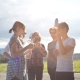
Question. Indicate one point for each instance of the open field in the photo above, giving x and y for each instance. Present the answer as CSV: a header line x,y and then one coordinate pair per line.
x,y
3,67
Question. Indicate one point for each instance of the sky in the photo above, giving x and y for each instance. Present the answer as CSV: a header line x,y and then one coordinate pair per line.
x,y
39,15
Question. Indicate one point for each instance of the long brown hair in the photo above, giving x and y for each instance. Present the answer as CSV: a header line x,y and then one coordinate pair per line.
x,y
32,36
15,25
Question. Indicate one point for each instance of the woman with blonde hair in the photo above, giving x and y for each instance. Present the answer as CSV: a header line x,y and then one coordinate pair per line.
x,y
35,63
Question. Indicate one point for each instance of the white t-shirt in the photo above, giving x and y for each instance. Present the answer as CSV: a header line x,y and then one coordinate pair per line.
x,y
65,62
7,48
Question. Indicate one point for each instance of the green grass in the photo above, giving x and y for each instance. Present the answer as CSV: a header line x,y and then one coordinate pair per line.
x,y
77,66
45,67
3,67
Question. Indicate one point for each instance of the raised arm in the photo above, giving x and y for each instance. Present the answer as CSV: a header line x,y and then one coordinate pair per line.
x,y
70,46
16,52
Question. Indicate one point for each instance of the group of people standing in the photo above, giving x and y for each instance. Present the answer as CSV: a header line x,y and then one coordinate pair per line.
x,y
30,58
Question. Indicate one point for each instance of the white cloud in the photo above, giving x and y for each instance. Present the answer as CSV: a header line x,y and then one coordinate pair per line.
x,y
39,14
77,47
3,44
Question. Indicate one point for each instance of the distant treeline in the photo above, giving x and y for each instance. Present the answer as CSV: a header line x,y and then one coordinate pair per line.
x,y
4,60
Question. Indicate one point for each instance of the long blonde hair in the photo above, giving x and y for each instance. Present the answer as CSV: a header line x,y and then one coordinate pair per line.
x,y
32,36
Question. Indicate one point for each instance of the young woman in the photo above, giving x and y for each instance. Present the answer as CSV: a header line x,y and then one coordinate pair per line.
x,y
16,64
35,63
64,50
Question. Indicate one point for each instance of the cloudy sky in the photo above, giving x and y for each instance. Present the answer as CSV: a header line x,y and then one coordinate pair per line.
x,y
39,15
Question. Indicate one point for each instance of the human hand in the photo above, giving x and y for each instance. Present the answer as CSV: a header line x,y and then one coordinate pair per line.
x,y
58,36
30,46
28,53
38,45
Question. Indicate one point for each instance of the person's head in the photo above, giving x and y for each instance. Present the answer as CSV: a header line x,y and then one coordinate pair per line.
x,y
63,28
35,37
18,28
53,32
21,36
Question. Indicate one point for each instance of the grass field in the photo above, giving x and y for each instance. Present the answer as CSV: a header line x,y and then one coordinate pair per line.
x,y
3,67
77,66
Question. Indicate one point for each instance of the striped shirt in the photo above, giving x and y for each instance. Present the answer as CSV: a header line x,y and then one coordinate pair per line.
x,y
16,66
65,62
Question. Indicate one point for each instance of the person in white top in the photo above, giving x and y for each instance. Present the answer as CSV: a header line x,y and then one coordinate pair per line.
x,y
64,51
7,48
6,52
